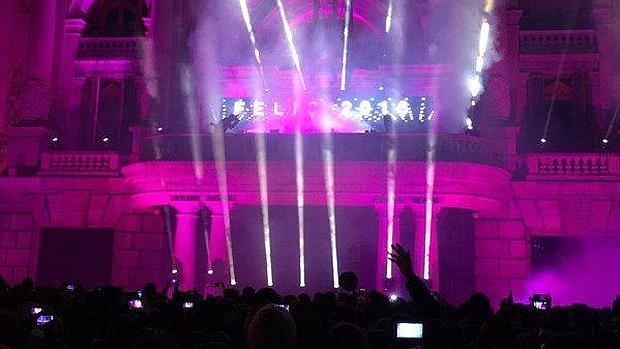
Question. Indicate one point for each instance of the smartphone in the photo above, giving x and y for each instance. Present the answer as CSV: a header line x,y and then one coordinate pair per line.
x,y
409,330
188,305
283,306
44,319
135,304
541,301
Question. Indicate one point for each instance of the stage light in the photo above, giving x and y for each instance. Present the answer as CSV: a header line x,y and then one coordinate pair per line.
x,y
106,139
345,48
328,165
391,199
469,123
219,153
393,297
483,43
210,271
55,140
245,12
299,179
605,140
381,88
475,85
388,17
543,140
291,43
430,189
174,271
261,155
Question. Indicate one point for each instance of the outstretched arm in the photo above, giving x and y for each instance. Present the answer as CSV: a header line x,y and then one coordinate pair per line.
x,y
423,300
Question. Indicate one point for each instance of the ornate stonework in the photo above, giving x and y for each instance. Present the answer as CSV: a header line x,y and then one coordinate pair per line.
x,y
29,98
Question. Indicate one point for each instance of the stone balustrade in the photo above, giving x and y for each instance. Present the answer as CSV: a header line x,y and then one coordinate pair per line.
x,y
80,163
573,165
557,41
108,48
346,147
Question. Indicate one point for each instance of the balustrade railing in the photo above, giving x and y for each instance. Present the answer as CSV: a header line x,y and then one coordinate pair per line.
x,y
345,147
573,165
108,48
80,163
558,41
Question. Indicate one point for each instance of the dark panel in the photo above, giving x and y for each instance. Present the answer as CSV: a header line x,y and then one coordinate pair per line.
x,y
83,256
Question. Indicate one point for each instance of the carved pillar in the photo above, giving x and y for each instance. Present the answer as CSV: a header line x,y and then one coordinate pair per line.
x,y
383,282
605,94
186,243
221,256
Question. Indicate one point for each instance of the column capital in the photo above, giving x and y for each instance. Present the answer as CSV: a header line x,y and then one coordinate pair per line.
x,y
382,209
190,208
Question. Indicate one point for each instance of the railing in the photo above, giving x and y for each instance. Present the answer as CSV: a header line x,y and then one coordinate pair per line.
x,y
80,163
573,165
558,41
345,146
108,48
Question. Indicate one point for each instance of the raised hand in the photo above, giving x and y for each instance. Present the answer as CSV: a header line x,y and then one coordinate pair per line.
x,y
402,259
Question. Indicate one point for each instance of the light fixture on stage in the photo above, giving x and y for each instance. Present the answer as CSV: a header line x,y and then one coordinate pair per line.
x,y
210,272
543,140
393,297
159,129
106,139
605,140
469,123
55,140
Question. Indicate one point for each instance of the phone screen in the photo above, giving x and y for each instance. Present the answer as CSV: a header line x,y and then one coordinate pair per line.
x,y
135,304
44,319
409,330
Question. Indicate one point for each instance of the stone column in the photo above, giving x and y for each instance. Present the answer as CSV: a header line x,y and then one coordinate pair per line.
x,y
604,22
382,282
186,243
221,257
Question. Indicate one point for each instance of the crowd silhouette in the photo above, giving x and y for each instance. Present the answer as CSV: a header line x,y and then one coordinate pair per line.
x,y
109,318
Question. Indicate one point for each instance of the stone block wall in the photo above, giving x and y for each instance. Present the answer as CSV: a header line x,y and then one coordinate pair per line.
x,y
502,258
16,245
141,252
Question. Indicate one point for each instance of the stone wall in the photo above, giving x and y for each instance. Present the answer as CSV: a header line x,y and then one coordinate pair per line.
x,y
502,258
17,259
141,252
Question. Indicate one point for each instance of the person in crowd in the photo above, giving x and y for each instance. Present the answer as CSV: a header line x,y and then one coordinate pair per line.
x,y
33,317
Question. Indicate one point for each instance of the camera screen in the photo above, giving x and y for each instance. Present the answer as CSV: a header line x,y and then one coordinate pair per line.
x,y
411,330
135,304
44,319
540,305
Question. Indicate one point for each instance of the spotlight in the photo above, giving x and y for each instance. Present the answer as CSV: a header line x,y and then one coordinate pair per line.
x,y
106,139
55,140
159,129
475,85
543,140
210,271
605,141
469,123
393,297
175,271
381,88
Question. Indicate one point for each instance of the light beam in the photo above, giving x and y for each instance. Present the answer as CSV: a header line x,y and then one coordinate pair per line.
x,y
261,158
291,44
345,48
328,164
299,176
